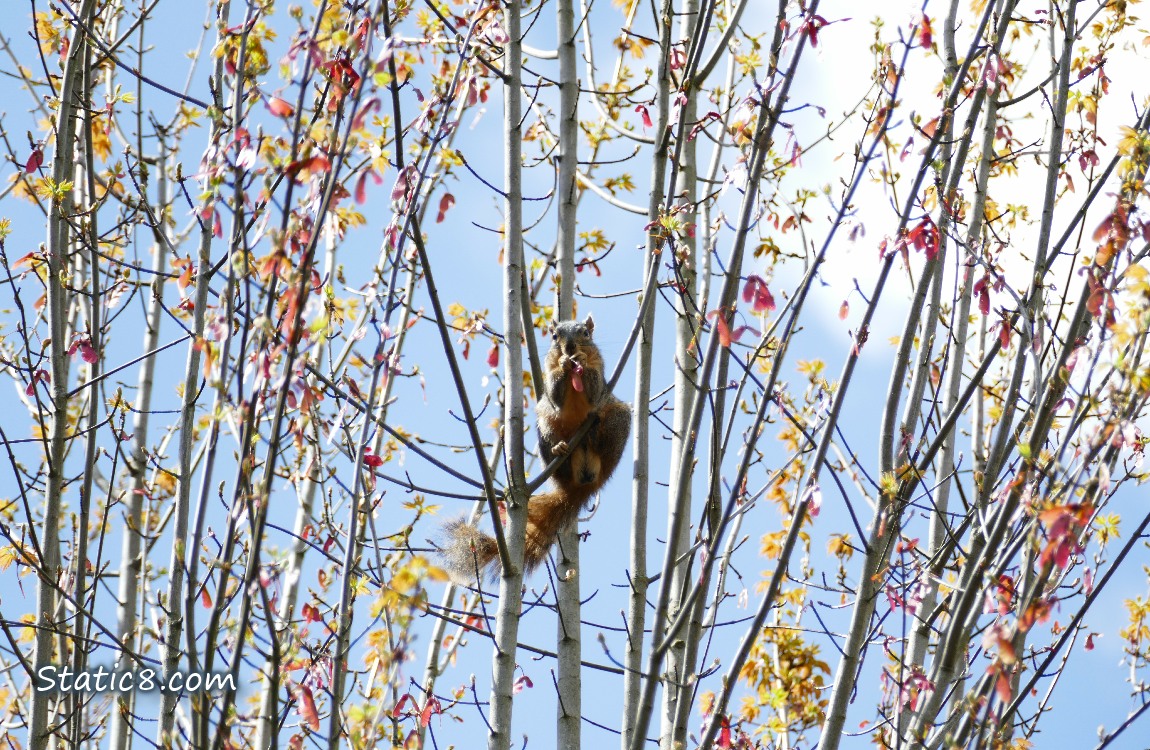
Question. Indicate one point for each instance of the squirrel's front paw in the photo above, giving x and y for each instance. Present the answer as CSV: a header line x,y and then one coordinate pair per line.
x,y
560,449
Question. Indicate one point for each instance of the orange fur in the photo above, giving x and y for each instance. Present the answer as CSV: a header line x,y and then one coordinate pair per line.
x,y
469,551
560,412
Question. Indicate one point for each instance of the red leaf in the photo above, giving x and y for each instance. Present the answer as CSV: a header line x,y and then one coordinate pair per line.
x,y
1062,552
404,183
1103,229
1002,686
924,237
642,110
724,333
429,710
205,599
493,356
361,185
280,108
812,27
906,150
844,310
34,161
1004,333
274,264
814,498
982,289
764,300
756,289
709,117
184,280
371,460
724,740
749,288
1094,302
1005,593
318,164
371,105
796,152
313,165
40,375
88,352
738,332
577,377
521,683
361,33
306,707
924,32
1006,651
1038,611
31,259
445,203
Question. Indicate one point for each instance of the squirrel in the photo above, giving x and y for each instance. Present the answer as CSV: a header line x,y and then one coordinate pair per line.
x,y
574,389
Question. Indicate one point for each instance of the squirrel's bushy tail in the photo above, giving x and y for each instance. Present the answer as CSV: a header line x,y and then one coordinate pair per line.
x,y
466,550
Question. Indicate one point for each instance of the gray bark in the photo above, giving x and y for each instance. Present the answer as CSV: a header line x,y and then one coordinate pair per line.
x,y
511,578
131,561
59,250
567,578
681,657
177,574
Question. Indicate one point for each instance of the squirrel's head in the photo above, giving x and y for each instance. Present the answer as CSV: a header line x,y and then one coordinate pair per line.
x,y
569,335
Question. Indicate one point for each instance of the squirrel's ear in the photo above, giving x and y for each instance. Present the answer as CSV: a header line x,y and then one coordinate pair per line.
x,y
551,327
589,323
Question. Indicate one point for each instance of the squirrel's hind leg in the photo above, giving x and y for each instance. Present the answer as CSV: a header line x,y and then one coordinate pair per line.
x,y
610,437
586,467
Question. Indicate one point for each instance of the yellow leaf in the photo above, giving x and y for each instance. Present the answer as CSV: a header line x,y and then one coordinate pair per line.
x,y
101,143
8,555
772,544
27,634
165,484
706,702
839,545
